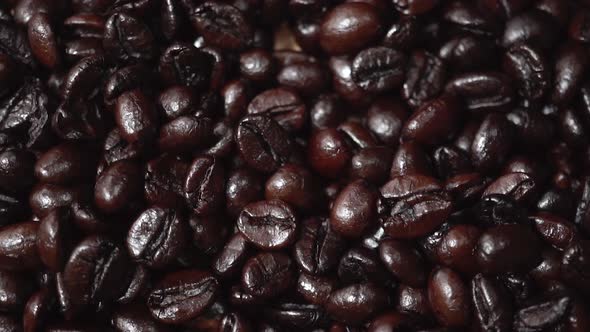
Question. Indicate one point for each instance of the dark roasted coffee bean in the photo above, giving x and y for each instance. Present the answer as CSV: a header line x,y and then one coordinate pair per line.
x,y
17,167
372,164
328,152
541,315
492,142
318,248
54,238
521,187
378,69
182,295
16,289
63,164
45,197
128,39
263,144
416,215
185,133
457,248
413,301
135,117
118,187
575,267
96,271
529,68
38,310
306,78
354,209
186,65
209,233
268,274
355,303
449,298
243,187
315,289
425,78
43,41
508,248
283,105
410,159
432,123
18,247
465,53
204,185
268,224
164,180
404,262
222,25
482,91
294,185
533,27
257,65
361,264
156,237
403,34
348,27
83,78
385,119
570,66
136,317
492,304
231,257
554,230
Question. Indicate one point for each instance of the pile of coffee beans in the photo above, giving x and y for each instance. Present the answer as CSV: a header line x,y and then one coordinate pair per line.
x,y
295,165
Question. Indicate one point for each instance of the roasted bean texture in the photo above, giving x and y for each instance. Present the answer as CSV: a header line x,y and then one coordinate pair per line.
x,y
295,165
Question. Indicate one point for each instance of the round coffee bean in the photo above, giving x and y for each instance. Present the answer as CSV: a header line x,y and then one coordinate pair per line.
x,y
268,224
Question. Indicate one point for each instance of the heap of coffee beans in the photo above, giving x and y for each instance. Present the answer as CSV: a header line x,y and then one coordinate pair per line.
x,y
295,165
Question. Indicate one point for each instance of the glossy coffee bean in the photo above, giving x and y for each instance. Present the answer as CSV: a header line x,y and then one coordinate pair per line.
x,y
433,122
294,185
425,78
378,69
508,248
355,303
18,246
96,271
54,238
283,105
156,237
135,117
222,25
263,144
117,187
268,224
182,295
328,152
318,247
529,68
230,258
404,262
482,91
348,27
449,298
243,187
268,274
204,185
492,304
16,289
354,209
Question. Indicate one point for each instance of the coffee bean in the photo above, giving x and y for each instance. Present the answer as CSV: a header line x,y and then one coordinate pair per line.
x,y
355,303
182,295
156,237
263,144
204,184
268,224
378,69
267,275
